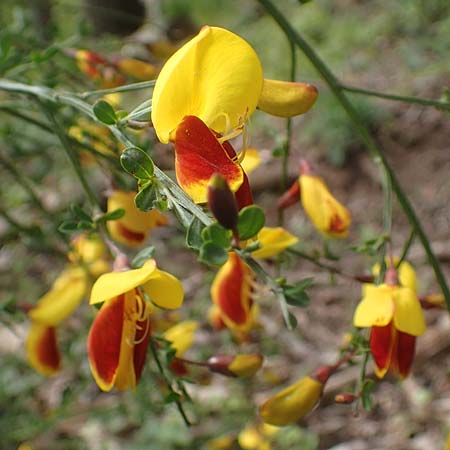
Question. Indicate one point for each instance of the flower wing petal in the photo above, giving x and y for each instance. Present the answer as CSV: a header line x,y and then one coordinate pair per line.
x,y
376,308
165,290
408,315
42,349
273,241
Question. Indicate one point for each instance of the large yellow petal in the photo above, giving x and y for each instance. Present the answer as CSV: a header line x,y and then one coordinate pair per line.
x,y
181,336
164,289
112,284
376,308
408,315
216,76
273,241
286,99
66,294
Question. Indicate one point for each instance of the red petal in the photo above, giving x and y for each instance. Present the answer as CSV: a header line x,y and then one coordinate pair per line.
x,y
142,338
381,344
104,341
232,302
406,346
198,156
47,350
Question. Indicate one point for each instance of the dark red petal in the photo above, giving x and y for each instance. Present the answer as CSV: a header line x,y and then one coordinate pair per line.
x,y
381,343
47,349
142,338
406,346
104,340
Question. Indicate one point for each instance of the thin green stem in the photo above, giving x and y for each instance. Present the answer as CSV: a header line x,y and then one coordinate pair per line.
x,y
167,382
406,247
71,155
127,88
442,106
365,136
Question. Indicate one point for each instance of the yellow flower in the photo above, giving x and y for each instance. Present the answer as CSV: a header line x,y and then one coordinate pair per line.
x,y
204,94
396,319
328,215
134,227
273,241
246,365
293,403
119,336
181,336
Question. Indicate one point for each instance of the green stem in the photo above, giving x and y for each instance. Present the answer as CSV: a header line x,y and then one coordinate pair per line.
x,y
442,106
365,136
167,382
127,88
71,155
406,248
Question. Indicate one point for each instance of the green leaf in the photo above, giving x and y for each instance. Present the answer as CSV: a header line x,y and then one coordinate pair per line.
x,y
80,213
146,197
295,294
105,112
292,321
142,257
84,225
194,234
366,394
112,215
250,221
137,163
279,152
68,227
171,397
218,234
211,253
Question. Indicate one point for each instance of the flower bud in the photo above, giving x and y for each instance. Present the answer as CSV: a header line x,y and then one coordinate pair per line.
x,y
235,366
293,403
290,197
345,398
222,202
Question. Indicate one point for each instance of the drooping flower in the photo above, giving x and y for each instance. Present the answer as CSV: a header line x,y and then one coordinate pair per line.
x,y
273,241
134,227
395,316
205,92
293,403
120,334
181,336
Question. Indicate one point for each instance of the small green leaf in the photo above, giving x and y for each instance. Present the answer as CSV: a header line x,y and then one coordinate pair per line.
x,y
295,294
84,225
146,197
218,234
194,234
366,394
112,215
171,397
80,213
250,221
211,253
137,163
142,257
68,227
292,321
105,112
279,152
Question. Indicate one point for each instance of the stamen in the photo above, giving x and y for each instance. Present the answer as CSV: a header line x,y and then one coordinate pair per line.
x,y
144,335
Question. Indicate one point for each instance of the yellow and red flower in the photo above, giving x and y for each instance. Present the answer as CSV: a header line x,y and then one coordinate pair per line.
x,y
120,333
134,227
396,319
88,259
204,94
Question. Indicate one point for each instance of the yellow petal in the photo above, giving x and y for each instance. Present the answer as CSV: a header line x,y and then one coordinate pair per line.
x,y
376,308
326,213
286,99
164,289
250,438
408,315
87,248
216,76
251,160
246,365
273,241
66,294
135,68
406,273
181,336
112,284
293,403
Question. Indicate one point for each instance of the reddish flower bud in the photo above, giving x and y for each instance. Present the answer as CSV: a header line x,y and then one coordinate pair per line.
x,y
222,202
290,197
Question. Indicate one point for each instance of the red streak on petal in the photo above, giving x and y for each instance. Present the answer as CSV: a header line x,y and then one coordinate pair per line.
x,y
105,338
381,343
230,299
130,235
47,349
406,346
142,338
337,225
199,154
